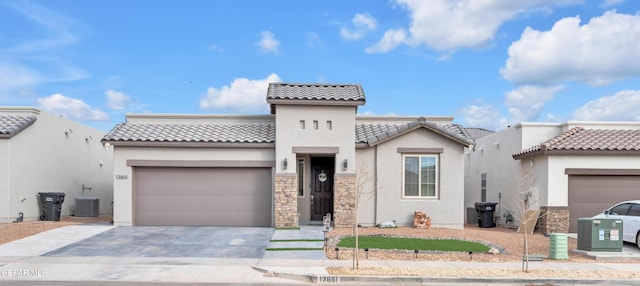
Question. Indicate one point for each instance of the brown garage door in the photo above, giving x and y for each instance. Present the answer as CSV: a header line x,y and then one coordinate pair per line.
x,y
589,195
202,196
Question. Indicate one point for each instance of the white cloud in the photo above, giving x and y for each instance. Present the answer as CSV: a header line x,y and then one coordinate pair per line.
x,y
609,3
117,100
314,41
362,24
33,61
526,102
58,28
71,108
624,105
14,75
268,42
450,25
242,94
215,48
390,40
480,116
597,53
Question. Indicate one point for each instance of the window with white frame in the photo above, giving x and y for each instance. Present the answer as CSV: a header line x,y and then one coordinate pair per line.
x,y
420,176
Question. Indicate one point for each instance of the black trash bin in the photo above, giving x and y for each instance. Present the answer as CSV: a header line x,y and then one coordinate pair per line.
x,y
485,214
51,205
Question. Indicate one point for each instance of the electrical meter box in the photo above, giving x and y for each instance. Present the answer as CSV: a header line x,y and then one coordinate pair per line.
x,y
600,234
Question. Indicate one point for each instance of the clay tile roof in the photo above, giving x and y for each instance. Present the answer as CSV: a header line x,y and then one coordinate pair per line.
x,y
12,124
315,91
579,139
374,133
476,133
193,132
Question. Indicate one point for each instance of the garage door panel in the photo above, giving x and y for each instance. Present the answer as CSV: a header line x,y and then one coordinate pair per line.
x,y
590,195
203,196
199,218
202,203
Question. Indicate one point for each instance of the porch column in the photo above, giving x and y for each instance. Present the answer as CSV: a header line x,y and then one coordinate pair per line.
x,y
285,212
344,208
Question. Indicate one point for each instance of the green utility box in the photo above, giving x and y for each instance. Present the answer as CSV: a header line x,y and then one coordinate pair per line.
x,y
600,234
559,246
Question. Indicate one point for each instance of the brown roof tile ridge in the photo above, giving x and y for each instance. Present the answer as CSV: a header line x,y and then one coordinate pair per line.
x,y
549,144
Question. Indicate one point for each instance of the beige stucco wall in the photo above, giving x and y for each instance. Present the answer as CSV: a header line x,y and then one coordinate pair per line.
x,y
559,181
385,161
290,134
366,171
493,155
123,188
4,177
42,158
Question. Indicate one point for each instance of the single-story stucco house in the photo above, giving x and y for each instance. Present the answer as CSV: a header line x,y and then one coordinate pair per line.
x,y
579,169
43,152
290,167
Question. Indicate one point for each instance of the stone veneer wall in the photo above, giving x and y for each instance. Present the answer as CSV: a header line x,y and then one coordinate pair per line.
x,y
285,213
344,187
553,220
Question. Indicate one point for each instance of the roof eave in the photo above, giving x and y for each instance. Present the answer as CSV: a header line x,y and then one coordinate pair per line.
x,y
464,142
330,102
188,144
577,153
362,146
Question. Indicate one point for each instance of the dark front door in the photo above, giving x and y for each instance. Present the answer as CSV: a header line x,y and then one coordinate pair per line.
x,y
321,187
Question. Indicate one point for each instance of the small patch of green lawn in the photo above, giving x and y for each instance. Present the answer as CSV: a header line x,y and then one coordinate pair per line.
x,y
385,242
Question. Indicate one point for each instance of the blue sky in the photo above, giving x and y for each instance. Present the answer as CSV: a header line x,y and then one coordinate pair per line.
x,y
488,63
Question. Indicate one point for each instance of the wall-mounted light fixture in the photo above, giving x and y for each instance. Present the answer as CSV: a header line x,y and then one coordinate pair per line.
x,y
68,131
88,138
284,164
345,165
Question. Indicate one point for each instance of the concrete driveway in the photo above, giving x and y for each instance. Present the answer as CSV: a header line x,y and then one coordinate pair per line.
x,y
174,241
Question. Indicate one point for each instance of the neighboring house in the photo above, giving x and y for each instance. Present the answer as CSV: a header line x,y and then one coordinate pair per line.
x,y
43,152
290,167
580,169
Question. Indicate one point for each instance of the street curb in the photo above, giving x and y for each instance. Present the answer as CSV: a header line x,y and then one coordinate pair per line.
x,y
297,277
488,280
326,279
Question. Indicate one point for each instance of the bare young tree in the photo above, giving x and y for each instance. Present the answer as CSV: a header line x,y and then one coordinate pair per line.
x,y
524,204
362,179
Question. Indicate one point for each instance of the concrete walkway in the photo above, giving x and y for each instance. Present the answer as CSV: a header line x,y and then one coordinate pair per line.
x,y
308,242
22,263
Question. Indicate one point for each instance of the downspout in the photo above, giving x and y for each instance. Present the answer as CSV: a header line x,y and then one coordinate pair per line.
x,y
375,184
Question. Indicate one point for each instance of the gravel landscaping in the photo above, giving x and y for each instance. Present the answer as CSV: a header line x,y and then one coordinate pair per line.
x,y
13,231
507,241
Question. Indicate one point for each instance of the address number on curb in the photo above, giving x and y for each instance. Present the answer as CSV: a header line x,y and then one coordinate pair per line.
x,y
328,279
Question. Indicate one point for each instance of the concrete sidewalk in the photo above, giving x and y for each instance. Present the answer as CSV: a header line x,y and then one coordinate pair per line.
x,y
22,263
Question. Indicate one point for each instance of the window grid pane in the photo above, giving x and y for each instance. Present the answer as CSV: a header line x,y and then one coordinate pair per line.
x,y
420,176
411,176
428,176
